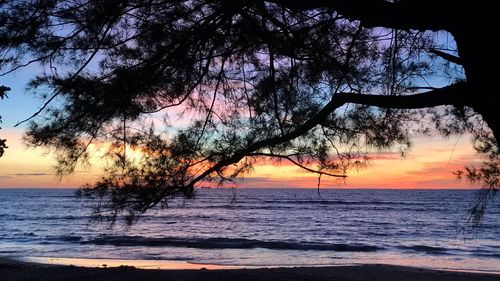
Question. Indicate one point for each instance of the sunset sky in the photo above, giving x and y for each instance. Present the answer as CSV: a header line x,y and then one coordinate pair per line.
x,y
429,164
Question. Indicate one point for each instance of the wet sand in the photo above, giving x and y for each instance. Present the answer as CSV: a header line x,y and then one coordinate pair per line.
x,y
13,270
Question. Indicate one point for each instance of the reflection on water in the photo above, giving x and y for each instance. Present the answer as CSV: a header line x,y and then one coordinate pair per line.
x,y
143,264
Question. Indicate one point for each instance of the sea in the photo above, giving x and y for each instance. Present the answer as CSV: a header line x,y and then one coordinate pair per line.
x,y
235,228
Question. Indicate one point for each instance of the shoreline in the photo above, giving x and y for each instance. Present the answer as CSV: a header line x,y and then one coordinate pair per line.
x,y
17,269
139,264
161,264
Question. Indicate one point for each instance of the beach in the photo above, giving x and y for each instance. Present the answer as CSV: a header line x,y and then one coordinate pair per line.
x,y
13,270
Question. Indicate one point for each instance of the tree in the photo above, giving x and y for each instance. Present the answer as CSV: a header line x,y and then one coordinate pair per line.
x,y
314,82
3,94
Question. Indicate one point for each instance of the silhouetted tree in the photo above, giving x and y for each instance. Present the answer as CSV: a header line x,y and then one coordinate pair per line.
x,y
317,83
3,142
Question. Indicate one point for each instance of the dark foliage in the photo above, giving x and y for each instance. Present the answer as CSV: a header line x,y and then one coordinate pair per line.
x,y
316,83
3,142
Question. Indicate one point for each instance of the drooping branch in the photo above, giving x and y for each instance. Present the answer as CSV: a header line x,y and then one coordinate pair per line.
x,y
73,76
454,94
296,163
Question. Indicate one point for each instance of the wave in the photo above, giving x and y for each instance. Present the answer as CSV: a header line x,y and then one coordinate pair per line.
x,y
22,217
341,202
426,249
59,238
227,243
487,255
69,238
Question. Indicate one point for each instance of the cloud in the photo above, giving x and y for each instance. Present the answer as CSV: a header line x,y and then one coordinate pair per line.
x,y
432,175
441,169
33,174
289,182
389,156
262,182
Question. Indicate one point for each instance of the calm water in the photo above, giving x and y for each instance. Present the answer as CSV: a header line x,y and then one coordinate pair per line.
x,y
262,227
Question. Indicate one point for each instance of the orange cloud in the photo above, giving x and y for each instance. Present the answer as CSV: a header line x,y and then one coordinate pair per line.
x,y
430,164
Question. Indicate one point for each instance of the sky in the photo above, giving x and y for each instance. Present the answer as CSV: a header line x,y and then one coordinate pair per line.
x,y
429,164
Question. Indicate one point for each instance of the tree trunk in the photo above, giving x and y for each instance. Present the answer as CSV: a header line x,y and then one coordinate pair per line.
x,y
491,117
481,61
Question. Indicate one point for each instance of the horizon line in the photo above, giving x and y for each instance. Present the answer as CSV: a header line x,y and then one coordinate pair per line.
x,y
312,188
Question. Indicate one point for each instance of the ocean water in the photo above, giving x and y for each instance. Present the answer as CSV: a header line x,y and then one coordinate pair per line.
x,y
263,227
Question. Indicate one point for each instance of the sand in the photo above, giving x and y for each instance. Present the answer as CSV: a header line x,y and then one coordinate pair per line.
x,y
11,270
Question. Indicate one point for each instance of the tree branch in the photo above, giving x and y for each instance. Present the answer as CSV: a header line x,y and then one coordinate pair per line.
x,y
405,14
446,56
454,94
293,161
